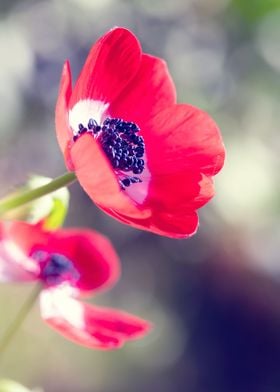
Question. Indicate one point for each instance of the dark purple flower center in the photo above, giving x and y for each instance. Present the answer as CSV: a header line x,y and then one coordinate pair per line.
x,y
55,268
121,144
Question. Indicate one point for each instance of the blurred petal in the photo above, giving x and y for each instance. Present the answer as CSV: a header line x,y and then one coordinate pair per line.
x,y
26,236
15,265
87,325
92,255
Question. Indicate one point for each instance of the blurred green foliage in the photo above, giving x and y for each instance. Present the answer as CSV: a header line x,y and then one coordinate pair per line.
x,y
51,209
12,386
255,10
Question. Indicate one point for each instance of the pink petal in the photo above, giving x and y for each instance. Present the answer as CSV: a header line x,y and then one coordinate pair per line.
x,y
112,62
87,325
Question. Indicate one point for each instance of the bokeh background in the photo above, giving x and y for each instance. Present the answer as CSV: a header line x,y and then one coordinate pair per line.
x,y
215,298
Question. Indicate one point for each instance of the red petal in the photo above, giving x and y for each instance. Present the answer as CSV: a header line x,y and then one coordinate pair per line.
x,y
169,224
112,62
172,202
92,255
183,137
181,225
172,198
150,91
87,325
98,179
63,131
180,193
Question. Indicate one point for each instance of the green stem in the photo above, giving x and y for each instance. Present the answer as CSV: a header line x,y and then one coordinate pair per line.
x,y
14,326
10,202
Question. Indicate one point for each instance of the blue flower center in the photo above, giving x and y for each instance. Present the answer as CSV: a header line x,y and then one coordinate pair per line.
x,y
121,144
55,268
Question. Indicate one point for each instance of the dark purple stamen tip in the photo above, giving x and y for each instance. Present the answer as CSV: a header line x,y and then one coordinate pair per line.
x,y
92,123
128,181
56,268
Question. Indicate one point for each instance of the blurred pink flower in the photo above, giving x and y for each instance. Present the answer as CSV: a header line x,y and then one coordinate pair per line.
x,y
70,264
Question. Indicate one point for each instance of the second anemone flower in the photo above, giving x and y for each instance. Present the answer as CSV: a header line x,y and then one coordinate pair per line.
x,y
69,264
142,158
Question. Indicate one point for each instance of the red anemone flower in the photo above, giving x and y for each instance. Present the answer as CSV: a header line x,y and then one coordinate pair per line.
x,y
142,158
69,263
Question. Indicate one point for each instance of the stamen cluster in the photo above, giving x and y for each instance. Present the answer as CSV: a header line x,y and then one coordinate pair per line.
x,y
121,144
55,267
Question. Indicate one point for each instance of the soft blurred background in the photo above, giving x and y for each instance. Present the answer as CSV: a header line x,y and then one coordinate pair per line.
x,y
215,298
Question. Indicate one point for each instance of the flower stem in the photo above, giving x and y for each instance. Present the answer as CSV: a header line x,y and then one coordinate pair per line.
x,y
10,202
14,326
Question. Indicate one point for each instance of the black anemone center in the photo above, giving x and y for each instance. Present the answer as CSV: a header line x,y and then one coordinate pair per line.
x,y
121,144
56,268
